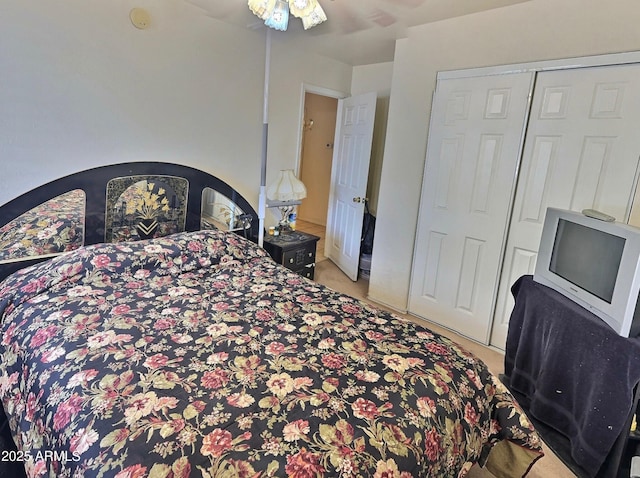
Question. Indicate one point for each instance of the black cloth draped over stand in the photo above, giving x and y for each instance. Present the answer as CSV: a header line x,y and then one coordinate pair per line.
x,y
576,374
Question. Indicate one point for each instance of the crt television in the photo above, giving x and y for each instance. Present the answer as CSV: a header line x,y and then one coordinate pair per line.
x,y
595,263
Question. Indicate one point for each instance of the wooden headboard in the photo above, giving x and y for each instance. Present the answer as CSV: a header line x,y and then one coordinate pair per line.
x,y
127,201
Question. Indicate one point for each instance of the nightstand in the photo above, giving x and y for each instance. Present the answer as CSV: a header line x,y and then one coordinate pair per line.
x,y
295,250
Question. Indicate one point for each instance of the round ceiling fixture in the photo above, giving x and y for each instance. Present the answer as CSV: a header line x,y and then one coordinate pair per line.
x,y
140,18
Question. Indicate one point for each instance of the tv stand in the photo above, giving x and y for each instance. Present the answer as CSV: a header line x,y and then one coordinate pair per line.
x,y
576,378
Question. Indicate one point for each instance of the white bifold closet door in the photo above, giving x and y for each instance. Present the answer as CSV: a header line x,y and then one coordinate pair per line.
x,y
473,153
488,182
581,151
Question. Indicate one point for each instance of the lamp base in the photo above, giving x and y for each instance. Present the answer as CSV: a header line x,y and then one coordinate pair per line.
x,y
284,221
285,228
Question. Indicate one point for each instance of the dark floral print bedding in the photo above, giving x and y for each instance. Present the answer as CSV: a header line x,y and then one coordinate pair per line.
x,y
195,355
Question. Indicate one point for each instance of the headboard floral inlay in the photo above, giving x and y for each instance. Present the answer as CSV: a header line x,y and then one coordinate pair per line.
x,y
141,207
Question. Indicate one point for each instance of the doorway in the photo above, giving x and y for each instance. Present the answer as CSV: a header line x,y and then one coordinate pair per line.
x,y
316,156
336,176
316,159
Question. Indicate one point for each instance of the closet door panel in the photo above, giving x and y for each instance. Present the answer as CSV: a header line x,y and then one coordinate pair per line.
x,y
474,146
581,151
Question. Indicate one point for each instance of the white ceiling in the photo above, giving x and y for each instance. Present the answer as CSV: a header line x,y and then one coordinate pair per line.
x,y
357,32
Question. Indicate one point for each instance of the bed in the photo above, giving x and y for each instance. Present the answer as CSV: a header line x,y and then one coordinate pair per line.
x,y
190,352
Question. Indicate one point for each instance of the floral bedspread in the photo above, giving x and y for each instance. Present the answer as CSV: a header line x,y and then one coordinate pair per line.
x,y
196,355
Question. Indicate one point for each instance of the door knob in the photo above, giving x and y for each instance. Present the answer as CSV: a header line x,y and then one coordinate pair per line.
x,y
359,199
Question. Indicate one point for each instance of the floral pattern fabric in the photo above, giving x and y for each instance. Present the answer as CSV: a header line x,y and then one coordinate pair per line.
x,y
195,355
51,228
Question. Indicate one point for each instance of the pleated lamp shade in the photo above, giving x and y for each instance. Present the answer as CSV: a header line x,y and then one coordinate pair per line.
x,y
286,187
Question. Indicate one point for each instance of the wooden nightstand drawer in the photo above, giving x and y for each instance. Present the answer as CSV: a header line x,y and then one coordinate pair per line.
x,y
294,250
300,257
308,271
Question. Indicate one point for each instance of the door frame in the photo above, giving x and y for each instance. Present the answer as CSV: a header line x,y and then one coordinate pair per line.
x,y
317,90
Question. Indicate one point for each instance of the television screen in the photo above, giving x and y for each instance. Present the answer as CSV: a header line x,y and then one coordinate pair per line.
x,y
588,258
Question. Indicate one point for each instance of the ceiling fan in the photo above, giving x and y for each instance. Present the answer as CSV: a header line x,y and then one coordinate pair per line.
x,y
345,16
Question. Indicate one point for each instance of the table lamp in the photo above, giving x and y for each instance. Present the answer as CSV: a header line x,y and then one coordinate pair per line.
x,y
285,193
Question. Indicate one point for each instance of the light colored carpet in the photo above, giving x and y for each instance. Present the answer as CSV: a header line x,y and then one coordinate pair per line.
x,y
328,274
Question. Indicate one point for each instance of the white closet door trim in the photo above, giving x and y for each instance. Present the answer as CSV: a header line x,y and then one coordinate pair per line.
x,y
545,65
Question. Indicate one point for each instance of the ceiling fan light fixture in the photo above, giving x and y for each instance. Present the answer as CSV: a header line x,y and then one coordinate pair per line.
x,y
262,8
302,8
275,13
279,19
316,17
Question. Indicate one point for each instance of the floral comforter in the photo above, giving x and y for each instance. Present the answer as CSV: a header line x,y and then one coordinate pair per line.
x,y
195,355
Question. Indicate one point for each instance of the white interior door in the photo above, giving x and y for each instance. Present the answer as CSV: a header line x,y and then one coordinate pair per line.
x,y
474,147
350,171
581,151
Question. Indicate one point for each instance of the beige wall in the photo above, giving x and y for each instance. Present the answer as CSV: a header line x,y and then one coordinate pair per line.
x,y
530,31
293,70
81,87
